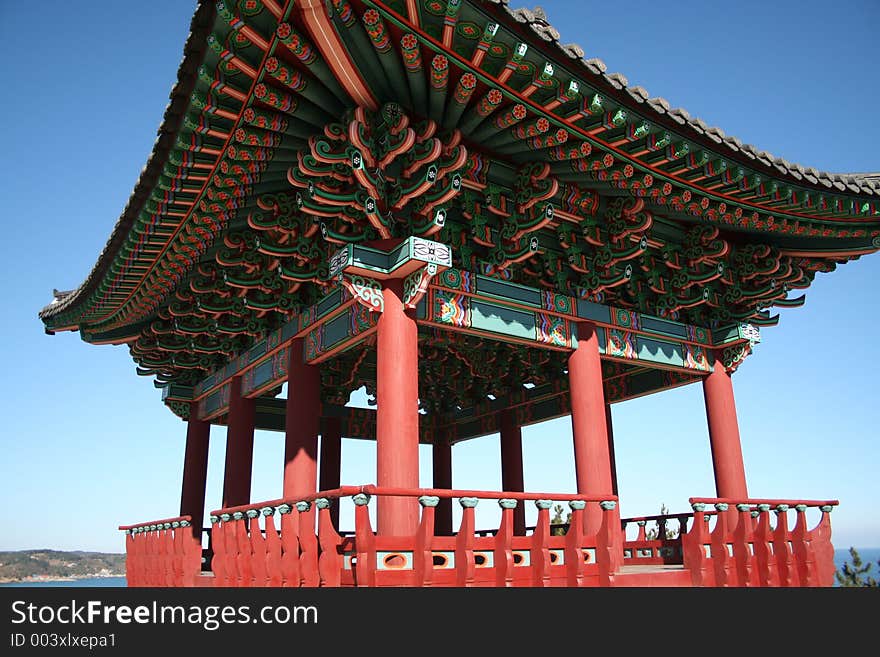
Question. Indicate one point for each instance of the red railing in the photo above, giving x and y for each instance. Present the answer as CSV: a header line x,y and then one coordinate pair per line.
x,y
162,553
306,551
747,548
293,543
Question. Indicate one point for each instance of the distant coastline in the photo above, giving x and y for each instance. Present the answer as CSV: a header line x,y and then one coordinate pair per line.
x,y
38,566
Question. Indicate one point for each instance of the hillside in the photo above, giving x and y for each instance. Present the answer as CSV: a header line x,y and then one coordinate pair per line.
x,y
55,565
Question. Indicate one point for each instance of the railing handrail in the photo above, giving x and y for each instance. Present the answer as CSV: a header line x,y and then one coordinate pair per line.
x,y
755,501
371,489
165,521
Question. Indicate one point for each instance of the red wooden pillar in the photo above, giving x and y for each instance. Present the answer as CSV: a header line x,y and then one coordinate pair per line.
x,y
609,424
302,424
442,466
195,470
239,447
591,456
397,413
727,460
331,462
512,465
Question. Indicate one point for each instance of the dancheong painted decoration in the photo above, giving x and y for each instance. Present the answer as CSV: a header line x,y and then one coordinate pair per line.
x,y
437,201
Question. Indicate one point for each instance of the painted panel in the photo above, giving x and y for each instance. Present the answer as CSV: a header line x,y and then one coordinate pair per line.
x,y
658,351
451,308
335,330
593,311
369,259
257,376
328,303
664,326
499,319
621,344
552,330
518,293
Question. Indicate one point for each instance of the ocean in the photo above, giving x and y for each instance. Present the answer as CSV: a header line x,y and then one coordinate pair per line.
x,y
841,556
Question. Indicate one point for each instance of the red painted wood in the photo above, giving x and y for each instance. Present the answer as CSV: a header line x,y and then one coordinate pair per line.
x,y
694,551
512,464
442,467
540,549
802,550
721,559
218,559
782,551
503,553
258,550
239,447
744,560
330,559
464,549
590,435
824,550
243,557
290,571
301,425
764,557
727,460
331,462
308,546
397,413
609,425
274,567
365,567
423,558
574,551
195,470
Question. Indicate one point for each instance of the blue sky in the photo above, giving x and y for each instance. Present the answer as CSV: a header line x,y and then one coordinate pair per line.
x,y
87,444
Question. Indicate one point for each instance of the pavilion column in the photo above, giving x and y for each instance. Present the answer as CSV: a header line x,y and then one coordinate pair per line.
x,y
609,424
331,462
442,466
302,424
512,465
239,447
589,431
195,470
397,413
727,459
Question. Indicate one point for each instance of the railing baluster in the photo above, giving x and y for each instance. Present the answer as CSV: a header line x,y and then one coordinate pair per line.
x,y
308,545
330,561
365,544
290,570
764,554
273,549
822,547
503,554
719,540
802,549
219,551
258,548
742,555
693,546
464,543
608,542
574,542
541,546
781,548
423,555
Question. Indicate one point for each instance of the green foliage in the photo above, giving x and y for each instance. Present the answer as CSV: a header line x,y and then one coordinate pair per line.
x,y
856,575
557,519
652,534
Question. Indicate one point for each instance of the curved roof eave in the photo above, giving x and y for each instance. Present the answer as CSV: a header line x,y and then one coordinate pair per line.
x,y
536,20
193,54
